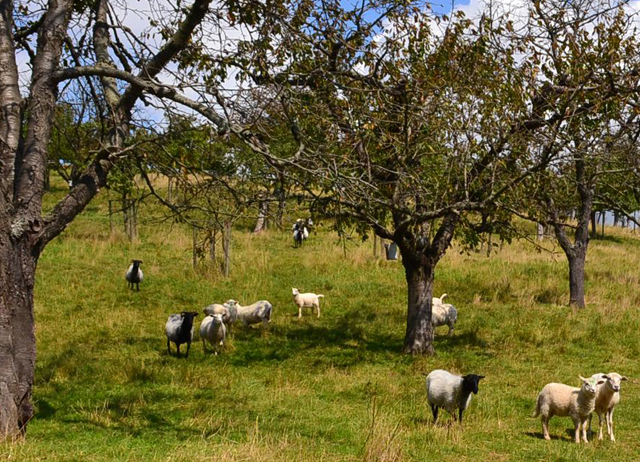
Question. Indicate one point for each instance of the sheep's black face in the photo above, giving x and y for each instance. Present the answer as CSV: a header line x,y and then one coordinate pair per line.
x,y
470,383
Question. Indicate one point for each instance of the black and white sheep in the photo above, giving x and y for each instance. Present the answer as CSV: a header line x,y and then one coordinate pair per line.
x,y
179,330
450,391
558,399
607,397
253,314
213,330
300,232
134,274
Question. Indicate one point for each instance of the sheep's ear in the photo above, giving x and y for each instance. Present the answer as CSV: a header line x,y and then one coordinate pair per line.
x,y
583,379
480,377
605,376
624,378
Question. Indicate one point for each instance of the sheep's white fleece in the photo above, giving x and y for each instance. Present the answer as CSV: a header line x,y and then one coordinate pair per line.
x,y
443,390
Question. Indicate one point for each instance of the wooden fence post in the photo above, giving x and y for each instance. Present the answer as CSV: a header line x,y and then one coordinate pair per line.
x,y
195,244
226,247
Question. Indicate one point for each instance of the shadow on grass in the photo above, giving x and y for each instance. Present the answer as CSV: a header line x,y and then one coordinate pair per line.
x,y
539,435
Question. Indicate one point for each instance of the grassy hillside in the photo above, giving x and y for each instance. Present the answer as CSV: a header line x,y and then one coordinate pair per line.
x,y
328,389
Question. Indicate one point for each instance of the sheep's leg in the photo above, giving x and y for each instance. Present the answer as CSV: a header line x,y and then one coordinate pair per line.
x,y
178,348
299,311
461,410
584,430
169,347
545,428
450,333
609,417
318,309
599,424
204,346
434,410
576,424
188,348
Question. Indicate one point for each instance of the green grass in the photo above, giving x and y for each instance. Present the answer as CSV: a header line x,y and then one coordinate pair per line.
x,y
329,389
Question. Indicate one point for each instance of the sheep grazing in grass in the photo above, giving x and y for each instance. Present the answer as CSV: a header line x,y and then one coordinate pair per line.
x,y
565,401
443,313
213,330
450,391
253,314
607,397
179,330
134,274
300,232
306,300
229,313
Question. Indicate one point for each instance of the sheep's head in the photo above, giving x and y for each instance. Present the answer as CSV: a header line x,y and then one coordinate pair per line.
x,y
217,318
614,381
470,383
230,303
294,291
589,385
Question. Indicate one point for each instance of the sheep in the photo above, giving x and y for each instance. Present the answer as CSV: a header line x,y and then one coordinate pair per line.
x,y
258,312
306,300
566,401
134,274
438,301
300,232
607,397
229,313
213,330
179,330
450,391
443,314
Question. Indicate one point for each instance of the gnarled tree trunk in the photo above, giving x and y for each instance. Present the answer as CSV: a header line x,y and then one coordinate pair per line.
x,y
419,334
17,334
576,278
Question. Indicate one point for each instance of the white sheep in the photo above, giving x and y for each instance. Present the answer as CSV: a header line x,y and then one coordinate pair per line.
x,y
438,301
134,274
213,330
450,391
229,313
258,312
306,300
558,399
443,313
607,397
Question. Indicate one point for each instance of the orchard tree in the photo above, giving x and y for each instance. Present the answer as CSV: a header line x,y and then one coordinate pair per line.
x,y
594,58
423,129
74,48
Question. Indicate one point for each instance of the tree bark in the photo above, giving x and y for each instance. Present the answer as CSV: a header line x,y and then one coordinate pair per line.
x,y
419,335
17,336
263,211
576,279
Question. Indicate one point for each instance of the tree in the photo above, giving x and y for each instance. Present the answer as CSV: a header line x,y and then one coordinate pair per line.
x,y
70,46
423,129
595,54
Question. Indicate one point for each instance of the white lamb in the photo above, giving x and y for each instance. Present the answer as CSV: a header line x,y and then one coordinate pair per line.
x,y
607,397
213,330
450,391
229,313
306,300
258,312
565,401
443,313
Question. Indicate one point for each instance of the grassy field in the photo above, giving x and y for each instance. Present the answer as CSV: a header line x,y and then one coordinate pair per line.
x,y
329,389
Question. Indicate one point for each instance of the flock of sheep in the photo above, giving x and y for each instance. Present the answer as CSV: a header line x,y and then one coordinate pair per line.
x,y
599,393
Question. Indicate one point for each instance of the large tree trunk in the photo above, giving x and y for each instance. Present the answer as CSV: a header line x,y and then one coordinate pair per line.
x,y
419,335
576,278
261,222
17,336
